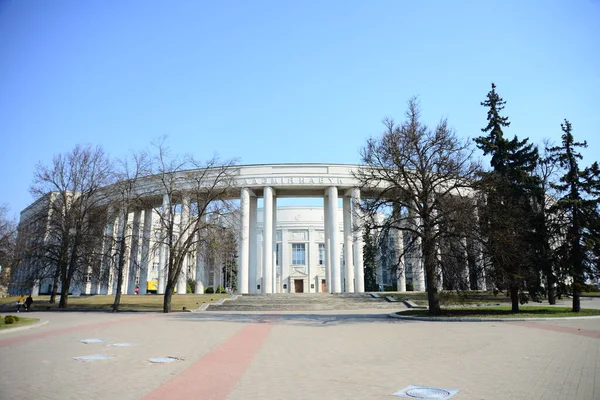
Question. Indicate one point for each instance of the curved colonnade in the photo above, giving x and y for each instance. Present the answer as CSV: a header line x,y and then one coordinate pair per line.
x,y
257,248
338,238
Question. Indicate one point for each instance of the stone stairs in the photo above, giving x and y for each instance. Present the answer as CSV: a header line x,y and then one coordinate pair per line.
x,y
305,302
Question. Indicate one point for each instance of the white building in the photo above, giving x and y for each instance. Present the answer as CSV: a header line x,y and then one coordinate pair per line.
x,y
280,249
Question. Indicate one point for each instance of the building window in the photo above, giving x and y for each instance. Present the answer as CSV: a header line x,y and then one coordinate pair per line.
x,y
277,253
321,253
298,254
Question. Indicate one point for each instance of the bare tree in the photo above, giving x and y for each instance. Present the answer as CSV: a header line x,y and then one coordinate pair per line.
x,y
547,230
71,186
193,194
127,173
410,174
8,240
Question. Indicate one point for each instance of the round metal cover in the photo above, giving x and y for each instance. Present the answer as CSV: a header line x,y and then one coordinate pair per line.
x,y
427,393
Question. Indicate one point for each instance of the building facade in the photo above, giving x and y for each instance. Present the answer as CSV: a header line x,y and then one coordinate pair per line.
x,y
277,249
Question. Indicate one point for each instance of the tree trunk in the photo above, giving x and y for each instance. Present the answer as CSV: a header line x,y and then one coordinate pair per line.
x,y
514,296
576,302
120,265
430,264
54,287
167,298
550,281
117,301
577,283
64,293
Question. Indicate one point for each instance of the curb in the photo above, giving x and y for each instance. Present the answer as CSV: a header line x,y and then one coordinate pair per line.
x,y
24,328
448,319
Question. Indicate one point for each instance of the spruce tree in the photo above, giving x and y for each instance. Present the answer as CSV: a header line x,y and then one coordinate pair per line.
x,y
579,204
509,188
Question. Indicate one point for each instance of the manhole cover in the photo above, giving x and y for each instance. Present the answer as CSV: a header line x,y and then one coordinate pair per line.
x,y
425,392
88,341
162,360
428,393
95,357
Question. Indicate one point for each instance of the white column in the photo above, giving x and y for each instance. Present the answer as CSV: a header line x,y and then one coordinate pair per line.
x,y
348,252
401,272
134,260
253,243
107,251
438,270
438,251
164,248
326,213
200,259
274,281
121,246
464,276
417,255
145,260
244,253
479,261
184,232
398,236
267,282
312,254
285,262
335,244
359,272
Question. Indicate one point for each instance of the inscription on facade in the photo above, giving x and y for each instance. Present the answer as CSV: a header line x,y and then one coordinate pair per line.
x,y
292,180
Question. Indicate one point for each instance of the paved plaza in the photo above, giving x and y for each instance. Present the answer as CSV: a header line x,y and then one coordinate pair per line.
x,y
350,354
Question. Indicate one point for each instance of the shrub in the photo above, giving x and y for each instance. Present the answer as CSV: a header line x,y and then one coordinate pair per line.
x,y
390,288
409,287
17,318
209,290
191,286
220,289
9,319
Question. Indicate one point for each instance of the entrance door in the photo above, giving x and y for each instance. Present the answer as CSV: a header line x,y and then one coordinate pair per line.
x,y
298,285
323,286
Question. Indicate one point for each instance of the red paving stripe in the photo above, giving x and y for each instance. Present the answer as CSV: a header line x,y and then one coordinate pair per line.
x,y
215,375
27,337
564,329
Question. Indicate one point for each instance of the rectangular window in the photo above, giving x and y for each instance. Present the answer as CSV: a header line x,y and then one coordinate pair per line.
x,y
298,254
321,253
277,253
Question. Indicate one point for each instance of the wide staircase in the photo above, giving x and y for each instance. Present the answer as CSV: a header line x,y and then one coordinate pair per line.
x,y
306,302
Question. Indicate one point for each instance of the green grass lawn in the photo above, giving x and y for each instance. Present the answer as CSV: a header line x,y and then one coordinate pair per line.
x,y
590,294
128,302
505,312
22,322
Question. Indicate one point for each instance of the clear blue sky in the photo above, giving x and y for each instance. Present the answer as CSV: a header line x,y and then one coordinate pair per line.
x,y
277,81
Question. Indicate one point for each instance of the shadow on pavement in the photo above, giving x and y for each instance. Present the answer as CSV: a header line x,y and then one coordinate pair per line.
x,y
298,319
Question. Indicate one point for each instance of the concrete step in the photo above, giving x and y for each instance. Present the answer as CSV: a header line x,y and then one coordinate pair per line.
x,y
305,302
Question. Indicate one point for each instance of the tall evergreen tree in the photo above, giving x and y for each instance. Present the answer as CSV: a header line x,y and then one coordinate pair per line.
x,y
509,188
580,200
